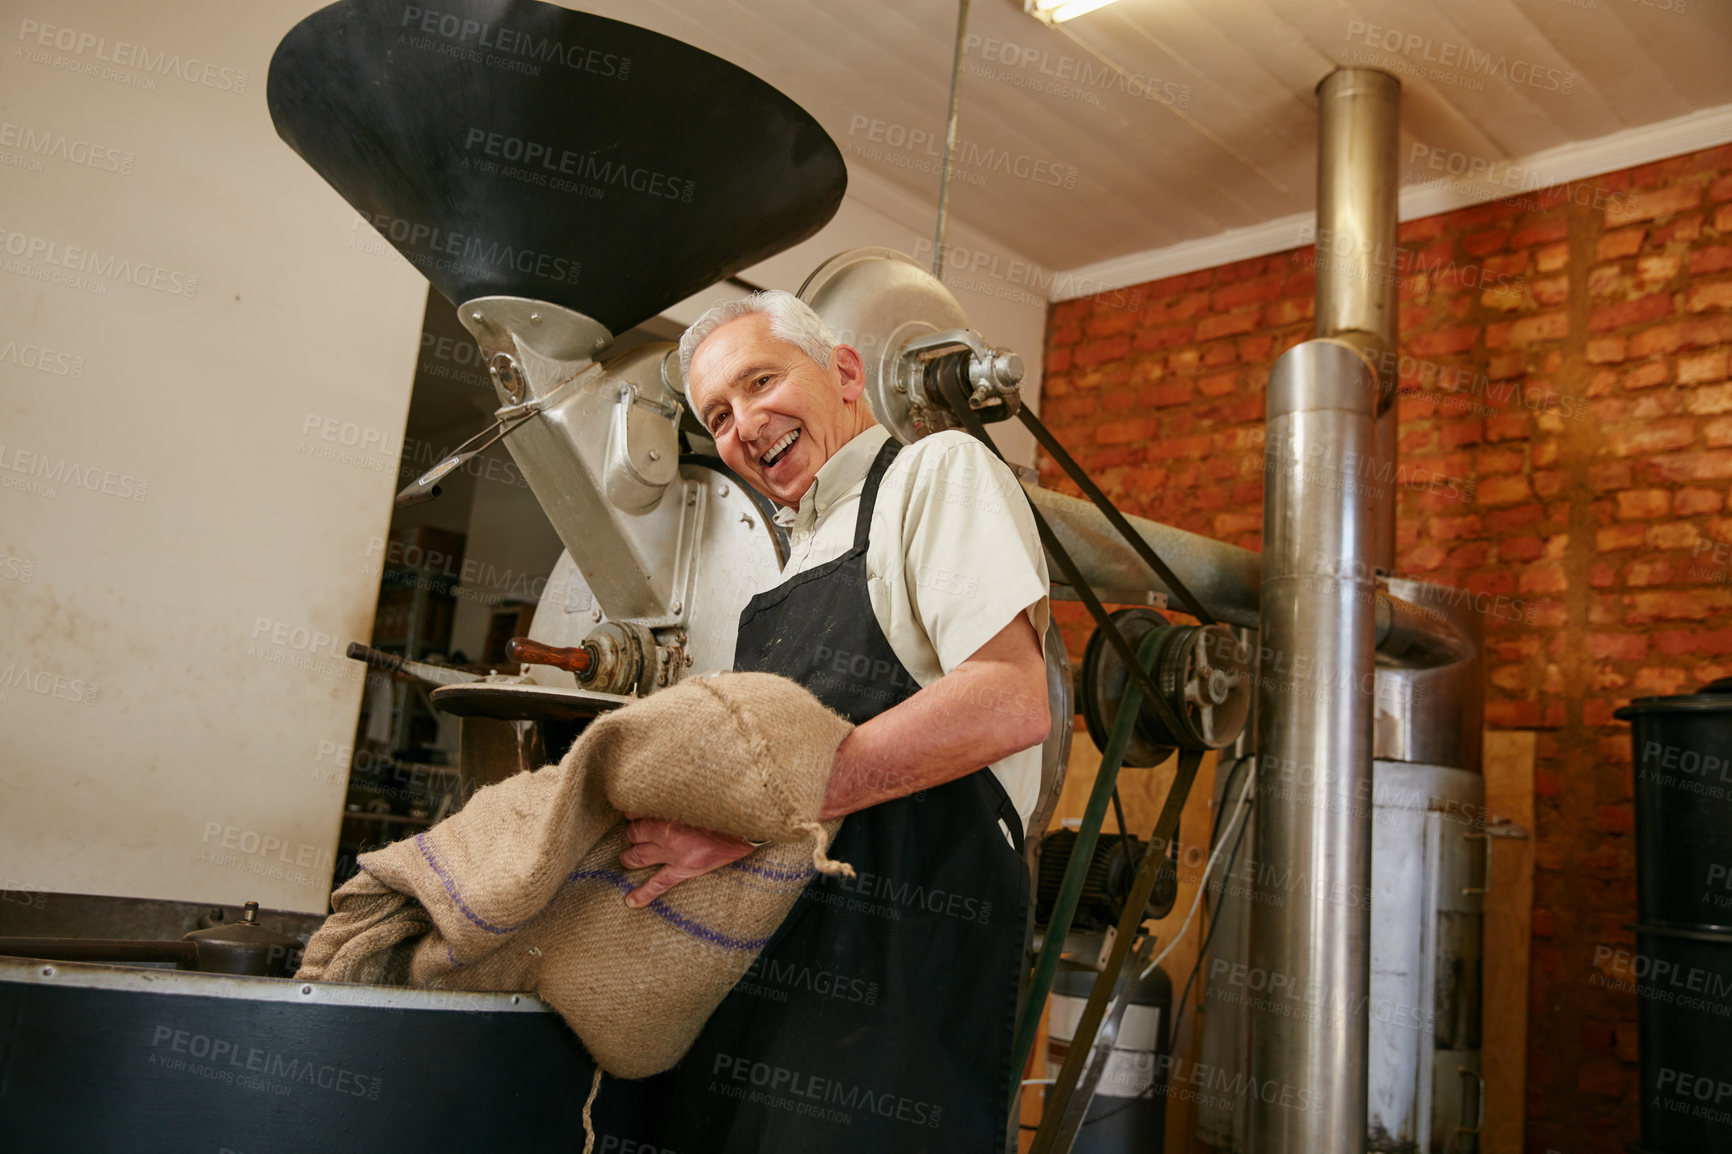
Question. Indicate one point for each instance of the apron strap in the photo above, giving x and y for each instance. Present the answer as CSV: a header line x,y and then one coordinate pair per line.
x,y
869,492
1005,811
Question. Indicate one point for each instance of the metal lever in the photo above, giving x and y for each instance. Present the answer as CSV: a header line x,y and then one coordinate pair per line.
x,y
579,660
397,663
426,486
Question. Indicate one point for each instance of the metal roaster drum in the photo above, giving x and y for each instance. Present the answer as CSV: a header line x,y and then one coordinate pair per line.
x,y
1130,1107
1682,968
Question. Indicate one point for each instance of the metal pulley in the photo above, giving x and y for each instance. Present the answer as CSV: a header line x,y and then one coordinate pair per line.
x,y
914,341
1201,671
1111,873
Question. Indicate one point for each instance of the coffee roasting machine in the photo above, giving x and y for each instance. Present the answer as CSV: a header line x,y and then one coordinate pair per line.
x,y
1344,702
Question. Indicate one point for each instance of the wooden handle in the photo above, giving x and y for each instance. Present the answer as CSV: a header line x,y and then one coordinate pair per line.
x,y
579,660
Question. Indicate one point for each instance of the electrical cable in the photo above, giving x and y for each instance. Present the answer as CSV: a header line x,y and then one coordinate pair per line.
x,y
1196,903
1214,924
1203,883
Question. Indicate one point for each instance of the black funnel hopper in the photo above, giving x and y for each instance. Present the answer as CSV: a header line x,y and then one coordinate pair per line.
x,y
515,148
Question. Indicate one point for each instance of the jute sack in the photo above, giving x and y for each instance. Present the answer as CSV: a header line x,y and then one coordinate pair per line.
x,y
522,889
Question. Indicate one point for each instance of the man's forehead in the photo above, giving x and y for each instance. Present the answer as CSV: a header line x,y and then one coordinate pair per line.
x,y
731,352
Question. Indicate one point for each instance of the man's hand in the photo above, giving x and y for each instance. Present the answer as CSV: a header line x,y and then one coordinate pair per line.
x,y
683,851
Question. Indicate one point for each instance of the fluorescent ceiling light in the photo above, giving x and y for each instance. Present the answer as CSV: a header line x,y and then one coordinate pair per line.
x,y
1058,11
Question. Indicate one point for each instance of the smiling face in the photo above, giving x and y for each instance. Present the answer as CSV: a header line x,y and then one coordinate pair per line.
x,y
776,416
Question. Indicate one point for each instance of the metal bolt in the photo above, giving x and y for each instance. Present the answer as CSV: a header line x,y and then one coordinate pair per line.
x,y
595,614
747,518
600,341
475,316
724,489
691,497
654,455
534,318
677,607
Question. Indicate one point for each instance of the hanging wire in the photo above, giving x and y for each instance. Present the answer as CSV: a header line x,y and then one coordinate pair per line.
x,y
949,141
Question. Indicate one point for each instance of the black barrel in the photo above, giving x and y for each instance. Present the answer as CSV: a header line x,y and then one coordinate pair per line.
x,y
1682,969
1129,1110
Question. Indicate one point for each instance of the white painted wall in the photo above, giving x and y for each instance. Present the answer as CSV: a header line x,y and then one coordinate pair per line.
x,y
157,737
194,480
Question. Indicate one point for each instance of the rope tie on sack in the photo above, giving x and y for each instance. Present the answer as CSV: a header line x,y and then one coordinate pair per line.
x,y
749,730
822,862
588,1126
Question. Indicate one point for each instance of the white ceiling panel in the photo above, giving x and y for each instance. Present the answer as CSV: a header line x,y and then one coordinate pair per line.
x,y
1158,123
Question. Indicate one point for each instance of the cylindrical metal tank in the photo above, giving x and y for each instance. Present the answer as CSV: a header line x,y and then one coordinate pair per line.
x,y
1128,1114
1682,968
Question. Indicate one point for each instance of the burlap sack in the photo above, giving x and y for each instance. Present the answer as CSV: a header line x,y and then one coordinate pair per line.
x,y
522,889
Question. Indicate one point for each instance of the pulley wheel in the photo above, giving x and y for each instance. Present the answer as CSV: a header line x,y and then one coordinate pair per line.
x,y
876,300
1204,673
1104,678
1201,672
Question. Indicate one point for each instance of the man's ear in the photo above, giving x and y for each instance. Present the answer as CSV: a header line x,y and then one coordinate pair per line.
x,y
851,370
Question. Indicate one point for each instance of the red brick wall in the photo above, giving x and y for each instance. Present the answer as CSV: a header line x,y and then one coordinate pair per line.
x,y
1566,440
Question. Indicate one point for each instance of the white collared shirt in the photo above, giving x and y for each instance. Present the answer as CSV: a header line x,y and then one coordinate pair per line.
x,y
952,556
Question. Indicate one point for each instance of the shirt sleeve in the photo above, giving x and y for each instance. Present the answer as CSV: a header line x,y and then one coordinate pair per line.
x,y
971,555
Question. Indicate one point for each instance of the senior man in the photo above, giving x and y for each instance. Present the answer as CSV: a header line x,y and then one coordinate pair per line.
x,y
914,601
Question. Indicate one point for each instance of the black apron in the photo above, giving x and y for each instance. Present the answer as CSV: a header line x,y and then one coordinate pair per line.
x,y
880,1015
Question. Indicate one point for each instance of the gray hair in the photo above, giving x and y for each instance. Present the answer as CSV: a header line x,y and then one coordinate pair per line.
x,y
791,320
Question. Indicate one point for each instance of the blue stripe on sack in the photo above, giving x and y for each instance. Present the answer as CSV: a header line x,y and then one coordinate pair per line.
x,y
432,859
774,873
679,922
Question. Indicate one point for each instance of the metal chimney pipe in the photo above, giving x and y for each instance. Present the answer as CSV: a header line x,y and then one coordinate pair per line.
x,y
1326,532
1358,138
1311,925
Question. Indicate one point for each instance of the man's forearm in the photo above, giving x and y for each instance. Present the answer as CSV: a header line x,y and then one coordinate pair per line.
x,y
989,707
